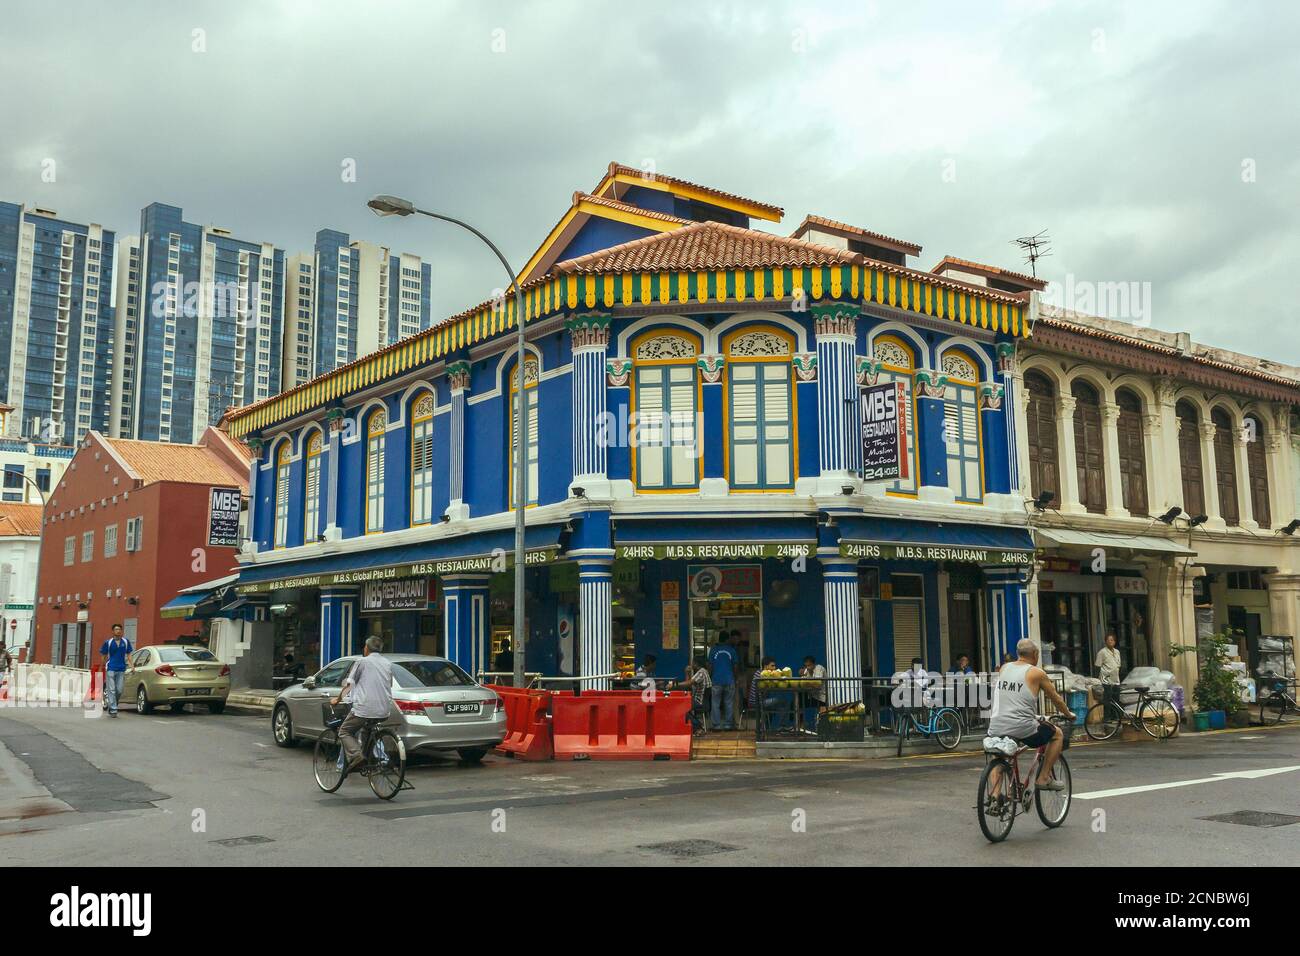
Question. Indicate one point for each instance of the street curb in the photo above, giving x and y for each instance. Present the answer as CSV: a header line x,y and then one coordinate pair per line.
x,y
248,710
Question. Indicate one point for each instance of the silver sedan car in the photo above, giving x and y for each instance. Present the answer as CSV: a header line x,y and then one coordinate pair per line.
x,y
436,707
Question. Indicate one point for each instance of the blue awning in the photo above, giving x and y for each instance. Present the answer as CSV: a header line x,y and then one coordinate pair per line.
x,y
183,605
714,538
896,538
451,555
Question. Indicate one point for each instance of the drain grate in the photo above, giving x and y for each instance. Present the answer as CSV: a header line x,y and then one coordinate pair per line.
x,y
688,849
1254,818
242,841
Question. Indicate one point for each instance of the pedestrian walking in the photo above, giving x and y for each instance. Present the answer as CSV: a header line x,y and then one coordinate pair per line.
x,y
1108,667
723,660
115,651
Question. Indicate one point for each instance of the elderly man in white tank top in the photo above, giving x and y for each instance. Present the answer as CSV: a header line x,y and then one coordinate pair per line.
x,y
1015,711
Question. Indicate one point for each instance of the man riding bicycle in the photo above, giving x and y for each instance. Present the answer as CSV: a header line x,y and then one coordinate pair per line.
x,y
1015,713
369,688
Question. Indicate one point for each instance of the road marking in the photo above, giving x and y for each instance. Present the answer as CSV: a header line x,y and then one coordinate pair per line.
x,y
1217,778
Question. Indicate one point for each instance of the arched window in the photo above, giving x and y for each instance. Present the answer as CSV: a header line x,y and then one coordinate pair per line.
x,y
1132,452
897,364
760,410
1189,458
311,489
1225,467
1040,423
422,459
961,426
531,378
666,406
1257,467
1089,461
375,426
282,496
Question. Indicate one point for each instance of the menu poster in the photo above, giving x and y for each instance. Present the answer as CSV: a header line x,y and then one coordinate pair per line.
x,y
223,517
672,626
882,424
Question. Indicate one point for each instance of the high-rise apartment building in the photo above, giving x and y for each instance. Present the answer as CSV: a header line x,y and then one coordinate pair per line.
x,y
56,324
201,327
347,298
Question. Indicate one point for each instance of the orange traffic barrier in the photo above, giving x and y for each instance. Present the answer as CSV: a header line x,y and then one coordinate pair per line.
x,y
621,725
528,728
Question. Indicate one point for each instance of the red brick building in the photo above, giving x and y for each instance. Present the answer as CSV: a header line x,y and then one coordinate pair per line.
x,y
125,529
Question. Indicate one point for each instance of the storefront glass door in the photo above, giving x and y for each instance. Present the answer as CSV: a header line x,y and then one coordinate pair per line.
x,y
1065,625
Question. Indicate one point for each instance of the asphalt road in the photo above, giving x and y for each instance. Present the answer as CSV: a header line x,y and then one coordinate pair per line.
x,y
197,789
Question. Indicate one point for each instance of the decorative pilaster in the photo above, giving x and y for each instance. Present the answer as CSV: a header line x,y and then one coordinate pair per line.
x,y
590,342
1068,496
931,391
1113,480
998,478
255,444
838,419
840,614
1245,507
1011,383
595,620
465,615
338,619
338,423
458,384
1210,477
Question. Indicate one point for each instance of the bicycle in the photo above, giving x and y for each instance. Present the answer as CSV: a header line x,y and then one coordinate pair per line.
x,y
1275,705
997,811
1155,714
942,723
384,764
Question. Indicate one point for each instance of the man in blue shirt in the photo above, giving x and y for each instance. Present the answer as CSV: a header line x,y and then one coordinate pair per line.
x,y
115,651
722,660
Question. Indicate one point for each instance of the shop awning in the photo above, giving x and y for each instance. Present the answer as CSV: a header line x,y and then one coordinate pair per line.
x,y
199,600
719,538
1100,539
454,555
900,539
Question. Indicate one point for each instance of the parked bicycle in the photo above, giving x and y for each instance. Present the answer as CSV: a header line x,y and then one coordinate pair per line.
x,y
384,762
999,801
1155,714
1277,702
942,723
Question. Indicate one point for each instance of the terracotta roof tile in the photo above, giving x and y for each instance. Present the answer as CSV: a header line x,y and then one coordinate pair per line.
x,y
163,461
704,246
618,169
621,206
19,520
810,221
1031,281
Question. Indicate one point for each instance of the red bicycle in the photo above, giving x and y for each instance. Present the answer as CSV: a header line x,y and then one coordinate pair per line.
x,y
1001,798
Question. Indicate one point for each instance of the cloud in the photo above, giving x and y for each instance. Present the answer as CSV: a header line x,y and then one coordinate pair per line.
x,y
1120,128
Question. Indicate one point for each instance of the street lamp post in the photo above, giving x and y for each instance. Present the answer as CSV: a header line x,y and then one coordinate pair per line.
x,y
393,206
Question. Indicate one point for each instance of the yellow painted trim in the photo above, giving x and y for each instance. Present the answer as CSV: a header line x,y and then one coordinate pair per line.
x,y
688,192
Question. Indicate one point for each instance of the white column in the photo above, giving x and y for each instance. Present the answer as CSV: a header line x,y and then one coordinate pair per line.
x,y
1209,478
1245,508
843,650
839,447
589,336
1162,451
332,530
1020,396
595,620
1068,496
458,382
1114,481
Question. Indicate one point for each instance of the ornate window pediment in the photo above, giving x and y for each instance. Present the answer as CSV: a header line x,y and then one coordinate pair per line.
x,y
532,372
314,444
667,345
892,354
958,366
378,422
760,344
424,407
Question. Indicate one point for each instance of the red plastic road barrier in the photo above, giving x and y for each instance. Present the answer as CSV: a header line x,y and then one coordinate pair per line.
x,y
528,729
96,689
620,725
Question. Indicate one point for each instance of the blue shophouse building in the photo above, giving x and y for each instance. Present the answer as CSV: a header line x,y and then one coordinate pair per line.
x,y
695,455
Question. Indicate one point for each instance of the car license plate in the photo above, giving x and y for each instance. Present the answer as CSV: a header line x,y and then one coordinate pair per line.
x,y
472,707
192,691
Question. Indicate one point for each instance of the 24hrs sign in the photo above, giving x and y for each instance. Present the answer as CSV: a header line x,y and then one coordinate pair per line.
x,y
223,517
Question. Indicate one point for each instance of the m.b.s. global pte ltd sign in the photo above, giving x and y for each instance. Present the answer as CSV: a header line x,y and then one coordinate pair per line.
x,y
883,410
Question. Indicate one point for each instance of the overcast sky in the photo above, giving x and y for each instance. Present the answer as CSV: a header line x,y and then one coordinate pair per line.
x,y
1157,143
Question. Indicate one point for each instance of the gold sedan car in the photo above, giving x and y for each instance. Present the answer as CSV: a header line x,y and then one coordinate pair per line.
x,y
176,675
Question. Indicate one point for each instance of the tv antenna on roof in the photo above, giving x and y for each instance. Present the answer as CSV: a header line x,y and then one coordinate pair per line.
x,y
1034,248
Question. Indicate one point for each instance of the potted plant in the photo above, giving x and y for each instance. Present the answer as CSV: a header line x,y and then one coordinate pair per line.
x,y
1216,694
